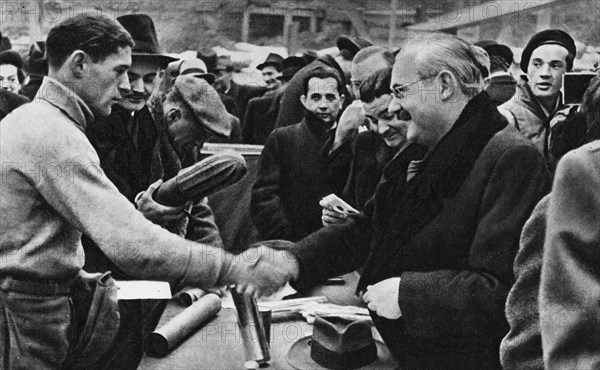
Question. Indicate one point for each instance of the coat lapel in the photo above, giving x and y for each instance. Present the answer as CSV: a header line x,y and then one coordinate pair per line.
x,y
422,198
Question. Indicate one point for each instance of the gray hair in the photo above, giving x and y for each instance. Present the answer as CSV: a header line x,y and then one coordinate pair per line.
x,y
435,52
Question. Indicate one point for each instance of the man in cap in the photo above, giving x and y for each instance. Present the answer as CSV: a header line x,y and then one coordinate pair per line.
x,y
271,70
197,68
547,57
291,110
500,84
135,154
261,113
46,209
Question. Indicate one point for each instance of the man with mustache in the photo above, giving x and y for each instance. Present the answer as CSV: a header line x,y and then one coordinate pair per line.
x,y
546,58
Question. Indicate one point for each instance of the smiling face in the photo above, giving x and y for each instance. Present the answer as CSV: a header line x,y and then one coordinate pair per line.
x,y
270,74
141,76
391,129
323,99
9,78
100,90
417,103
546,67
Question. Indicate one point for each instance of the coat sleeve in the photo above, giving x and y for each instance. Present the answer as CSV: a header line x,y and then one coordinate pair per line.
x,y
570,286
469,303
202,227
266,206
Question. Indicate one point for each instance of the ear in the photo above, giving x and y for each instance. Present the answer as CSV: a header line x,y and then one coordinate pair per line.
x,y
78,63
448,85
303,100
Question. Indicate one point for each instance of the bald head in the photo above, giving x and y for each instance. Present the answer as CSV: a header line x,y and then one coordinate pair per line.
x,y
368,61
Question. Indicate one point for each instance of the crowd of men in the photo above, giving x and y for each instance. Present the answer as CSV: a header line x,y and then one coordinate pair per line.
x,y
476,241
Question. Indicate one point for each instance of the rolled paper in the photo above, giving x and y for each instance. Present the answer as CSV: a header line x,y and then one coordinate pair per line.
x,y
187,297
162,340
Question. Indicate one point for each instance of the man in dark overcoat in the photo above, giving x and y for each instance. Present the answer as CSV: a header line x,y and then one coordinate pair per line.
x,y
437,250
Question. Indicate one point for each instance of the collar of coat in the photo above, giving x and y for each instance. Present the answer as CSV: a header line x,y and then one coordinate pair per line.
x,y
66,100
441,176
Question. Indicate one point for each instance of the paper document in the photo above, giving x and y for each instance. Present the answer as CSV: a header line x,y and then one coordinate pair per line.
x,y
142,289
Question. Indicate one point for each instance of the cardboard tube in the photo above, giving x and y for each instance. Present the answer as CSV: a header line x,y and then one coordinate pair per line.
x,y
162,340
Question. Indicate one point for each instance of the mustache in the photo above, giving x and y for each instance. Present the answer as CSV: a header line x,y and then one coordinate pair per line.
x,y
136,95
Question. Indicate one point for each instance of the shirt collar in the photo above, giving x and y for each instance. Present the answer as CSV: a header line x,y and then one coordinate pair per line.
x,y
65,99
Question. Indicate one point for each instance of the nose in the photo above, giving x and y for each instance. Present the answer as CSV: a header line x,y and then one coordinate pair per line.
x,y
323,104
124,83
395,105
137,85
545,70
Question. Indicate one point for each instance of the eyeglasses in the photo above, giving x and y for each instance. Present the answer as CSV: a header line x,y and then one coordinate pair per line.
x,y
400,91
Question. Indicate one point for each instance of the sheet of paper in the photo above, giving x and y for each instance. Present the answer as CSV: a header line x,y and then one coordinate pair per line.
x,y
142,289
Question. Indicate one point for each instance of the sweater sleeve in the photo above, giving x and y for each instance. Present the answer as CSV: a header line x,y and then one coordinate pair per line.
x,y
570,285
469,303
77,188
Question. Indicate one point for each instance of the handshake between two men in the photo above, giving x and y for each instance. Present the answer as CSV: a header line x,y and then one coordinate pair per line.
x,y
263,269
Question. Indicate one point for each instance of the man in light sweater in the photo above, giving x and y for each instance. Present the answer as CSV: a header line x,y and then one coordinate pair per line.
x,y
53,191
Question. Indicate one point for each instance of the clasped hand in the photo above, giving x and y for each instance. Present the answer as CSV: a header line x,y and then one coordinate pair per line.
x,y
155,212
262,271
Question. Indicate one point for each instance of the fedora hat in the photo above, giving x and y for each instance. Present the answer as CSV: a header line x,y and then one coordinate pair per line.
x,y
142,31
36,63
290,66
5,43
352,44
196,68
338,343
272,60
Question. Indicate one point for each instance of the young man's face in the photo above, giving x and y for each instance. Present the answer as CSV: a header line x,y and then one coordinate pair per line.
x,y
142,77
323,99
9,78
270,74
391,129
547,65
104,80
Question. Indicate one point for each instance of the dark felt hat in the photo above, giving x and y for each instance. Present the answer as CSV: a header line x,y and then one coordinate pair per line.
x,y
142,31
11,57
209,57
549,37
36,63
340,344
495,49
272,60
290,66
351,44
205,104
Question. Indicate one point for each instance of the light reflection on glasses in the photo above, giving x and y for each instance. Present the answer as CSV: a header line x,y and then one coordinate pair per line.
x,y
400,91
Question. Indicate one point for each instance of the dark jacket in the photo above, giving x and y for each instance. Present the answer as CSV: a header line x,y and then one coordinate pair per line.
x,y
570,284
31,88
9,101
291,110
521,348
293,175
501,88
260,117
451,233
241,95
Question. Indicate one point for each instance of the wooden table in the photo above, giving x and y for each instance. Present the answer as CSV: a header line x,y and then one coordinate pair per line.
x,y
218,344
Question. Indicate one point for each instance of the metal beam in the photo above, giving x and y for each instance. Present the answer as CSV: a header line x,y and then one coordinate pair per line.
x,y
478,14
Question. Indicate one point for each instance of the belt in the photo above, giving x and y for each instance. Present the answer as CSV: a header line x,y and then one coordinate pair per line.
x,y
9,283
